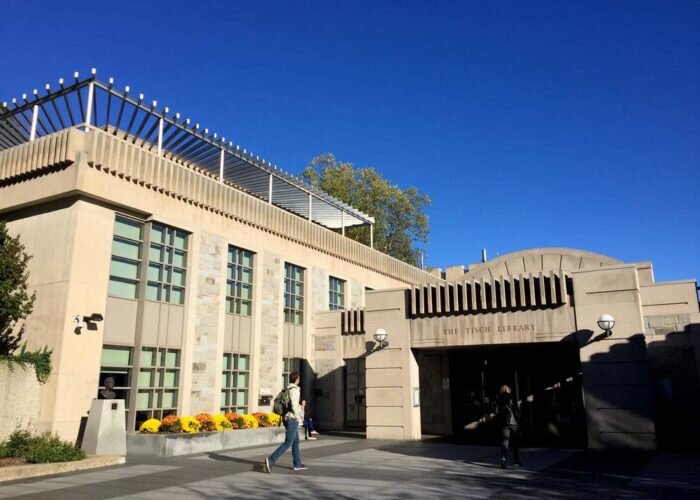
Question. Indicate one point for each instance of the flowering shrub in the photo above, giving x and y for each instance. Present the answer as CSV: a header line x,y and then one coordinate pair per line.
x,y
171,423
274,419
150,426
249,422
189,424
236,420
267,419
205,422
221,423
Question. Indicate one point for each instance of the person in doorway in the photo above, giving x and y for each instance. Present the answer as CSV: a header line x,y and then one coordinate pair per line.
x,y
309,431
508,418
291,423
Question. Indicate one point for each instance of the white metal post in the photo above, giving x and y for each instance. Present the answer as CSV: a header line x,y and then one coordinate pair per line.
x,y
371,235
342,221
88,111
221,167
160,136
269,190
35,117
310,205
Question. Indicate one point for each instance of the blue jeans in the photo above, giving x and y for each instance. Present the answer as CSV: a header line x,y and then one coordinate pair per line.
x,y
291,439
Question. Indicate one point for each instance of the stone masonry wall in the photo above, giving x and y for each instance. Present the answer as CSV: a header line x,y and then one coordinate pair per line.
x,y
270,336
205,353
20,394
319,290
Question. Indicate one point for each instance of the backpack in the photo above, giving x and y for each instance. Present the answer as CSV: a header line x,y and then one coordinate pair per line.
x,y
282,403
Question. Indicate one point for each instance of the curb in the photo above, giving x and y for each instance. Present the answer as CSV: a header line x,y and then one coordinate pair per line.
x,y
15,472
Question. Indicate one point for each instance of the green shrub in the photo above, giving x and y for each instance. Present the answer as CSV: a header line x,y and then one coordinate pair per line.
x,y
39,449
18,444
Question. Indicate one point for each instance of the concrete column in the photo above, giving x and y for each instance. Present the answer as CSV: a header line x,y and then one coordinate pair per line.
x,y
392,371
616,385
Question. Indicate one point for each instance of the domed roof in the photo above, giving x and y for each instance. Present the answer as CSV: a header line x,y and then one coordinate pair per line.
x,y
539,259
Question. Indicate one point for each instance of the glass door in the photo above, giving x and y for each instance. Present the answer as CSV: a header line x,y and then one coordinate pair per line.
x,y
355,408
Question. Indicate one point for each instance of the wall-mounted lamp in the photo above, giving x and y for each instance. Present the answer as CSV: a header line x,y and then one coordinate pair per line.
x,y
381,337
606,322
86,321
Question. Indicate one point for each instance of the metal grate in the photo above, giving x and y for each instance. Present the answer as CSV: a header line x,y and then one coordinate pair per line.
x,y
91,103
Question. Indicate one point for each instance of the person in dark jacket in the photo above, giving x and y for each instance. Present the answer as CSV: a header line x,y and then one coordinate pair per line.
x,y
508,418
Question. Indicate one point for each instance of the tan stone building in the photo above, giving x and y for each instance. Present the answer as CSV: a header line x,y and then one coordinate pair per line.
x,y
217,274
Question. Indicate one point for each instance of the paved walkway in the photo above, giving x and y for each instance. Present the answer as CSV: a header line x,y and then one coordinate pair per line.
x,y
357,468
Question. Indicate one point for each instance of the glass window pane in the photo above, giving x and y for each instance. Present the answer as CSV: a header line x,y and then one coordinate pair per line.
x,y
157,233
180,240
172,359
124,269
168,255
116,356
226,362
152,291
127,249
121,288
155,253
224,399
128,228
169,398
177,295
242,380
155,272
243,362
148,356
247,259
146,378
179,259
246,292
143,400
246,308
178,277
242,398
170,378
247,275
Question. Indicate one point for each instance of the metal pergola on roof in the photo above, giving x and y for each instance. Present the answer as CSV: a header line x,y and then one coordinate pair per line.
x,y
91,103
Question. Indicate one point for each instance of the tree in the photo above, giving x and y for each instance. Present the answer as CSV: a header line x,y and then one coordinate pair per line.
x,y
400,220
15,302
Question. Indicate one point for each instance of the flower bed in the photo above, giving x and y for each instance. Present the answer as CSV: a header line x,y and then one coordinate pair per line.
x,y
174,436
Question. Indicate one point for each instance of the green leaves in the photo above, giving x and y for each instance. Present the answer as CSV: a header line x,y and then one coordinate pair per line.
x,y
15,301
400,220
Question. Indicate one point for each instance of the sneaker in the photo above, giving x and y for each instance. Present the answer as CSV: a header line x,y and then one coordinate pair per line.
x,y
311,438
517,463
267,466
314,433
300,467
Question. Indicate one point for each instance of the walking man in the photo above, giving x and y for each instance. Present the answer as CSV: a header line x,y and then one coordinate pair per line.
x,y
508,415
291,418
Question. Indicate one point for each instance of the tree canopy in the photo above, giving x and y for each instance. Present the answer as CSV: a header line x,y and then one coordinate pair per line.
x,y
15,301
401,224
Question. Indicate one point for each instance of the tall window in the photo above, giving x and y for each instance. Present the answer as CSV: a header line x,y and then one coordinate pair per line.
x,y
124,268
167,260
293,294
239,281
158,382
336,294
289,365
235,379
117,362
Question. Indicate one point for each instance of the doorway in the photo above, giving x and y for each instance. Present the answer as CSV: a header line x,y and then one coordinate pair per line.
x,y
355,405
544,377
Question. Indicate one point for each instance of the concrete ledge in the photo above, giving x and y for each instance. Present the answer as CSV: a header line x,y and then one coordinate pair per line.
x,y
14,472
173,445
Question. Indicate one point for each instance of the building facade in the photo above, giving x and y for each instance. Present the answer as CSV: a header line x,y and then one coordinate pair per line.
x,y
217,274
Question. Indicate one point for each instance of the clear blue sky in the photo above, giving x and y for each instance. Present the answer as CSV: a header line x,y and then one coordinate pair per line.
x,y
528,123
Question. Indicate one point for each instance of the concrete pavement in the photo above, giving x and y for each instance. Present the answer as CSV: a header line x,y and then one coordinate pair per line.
x,y
343,467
